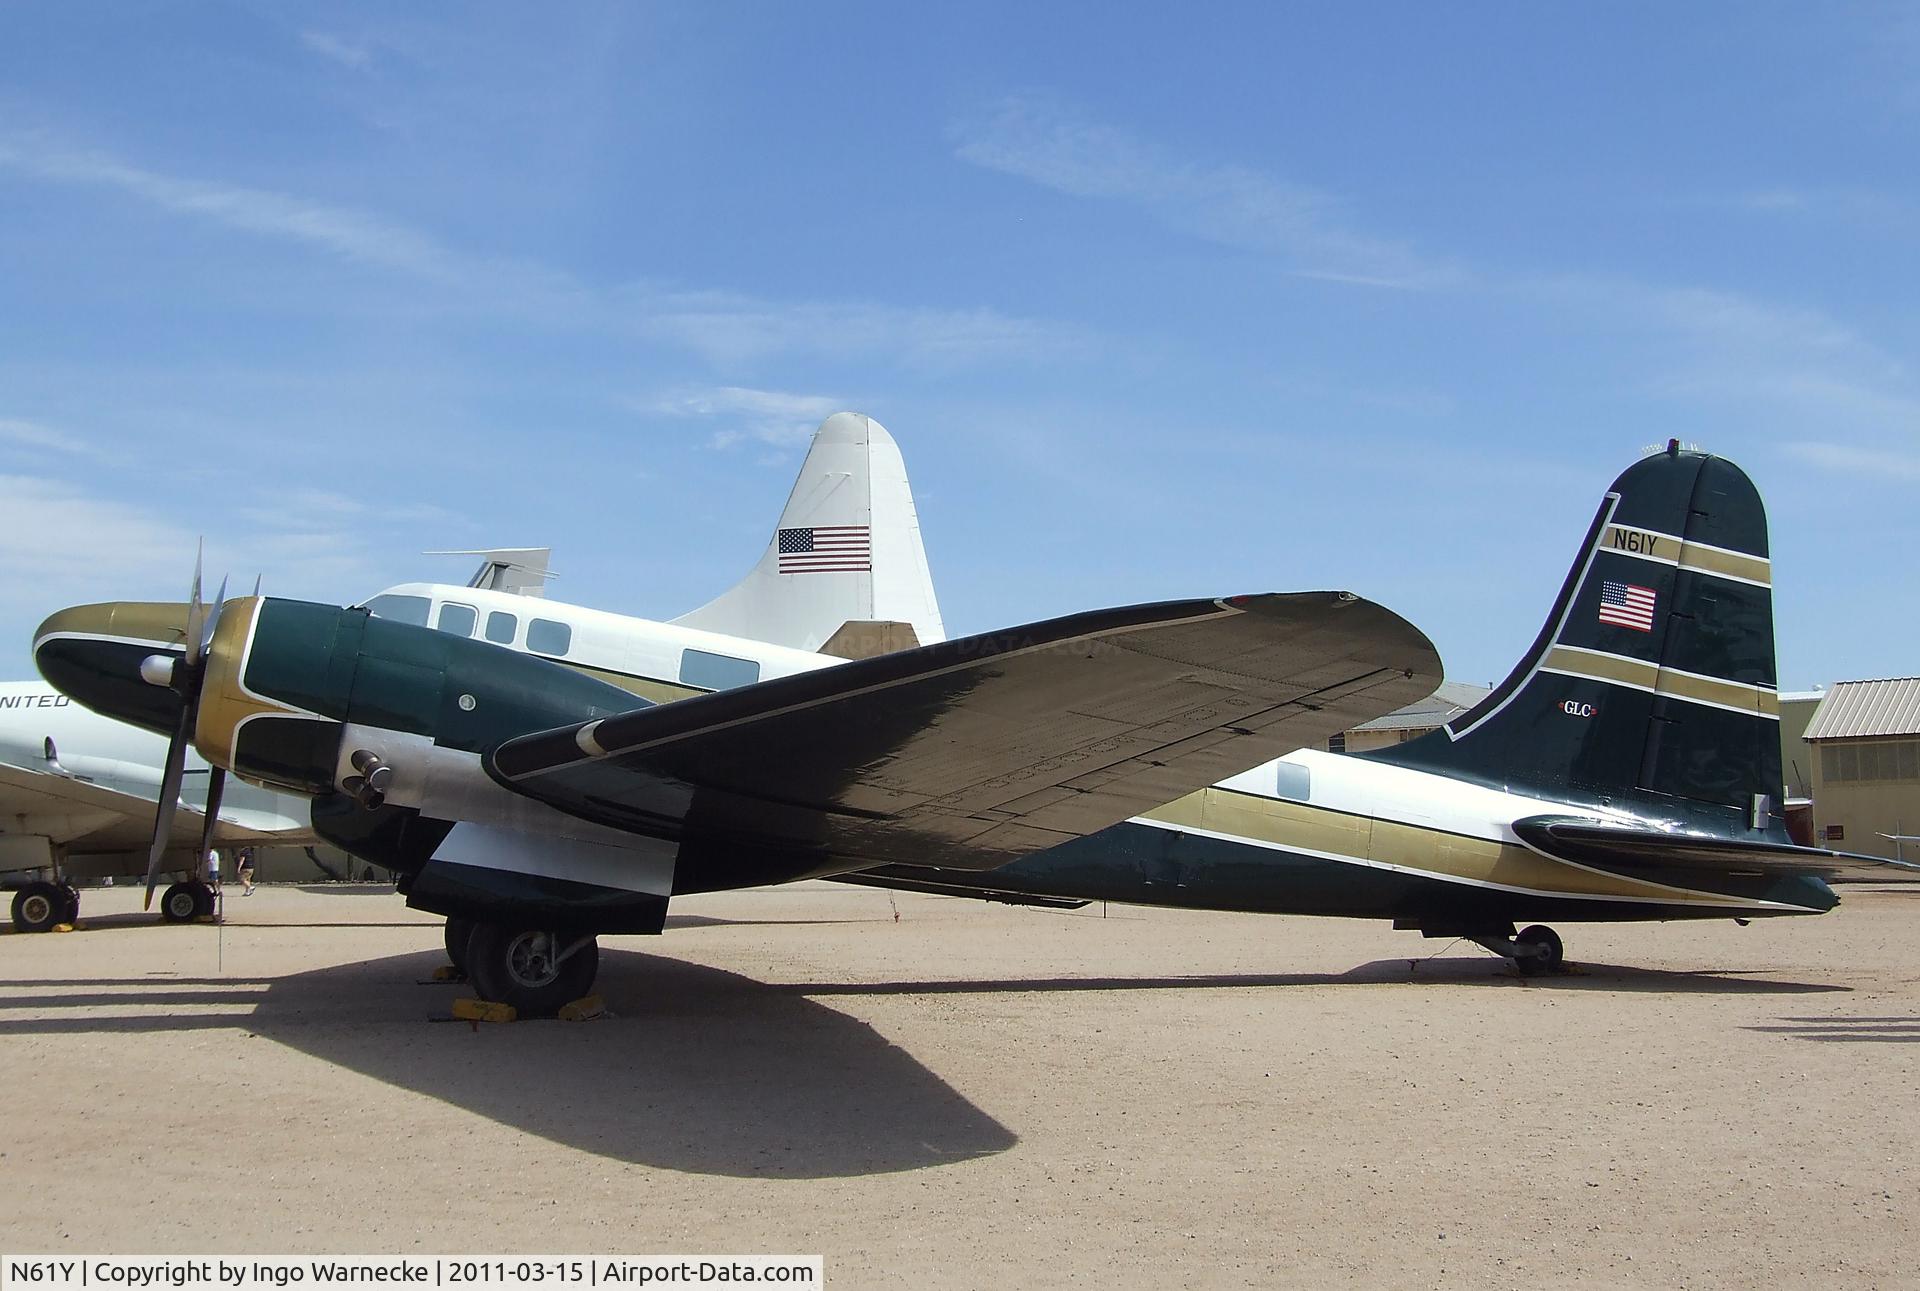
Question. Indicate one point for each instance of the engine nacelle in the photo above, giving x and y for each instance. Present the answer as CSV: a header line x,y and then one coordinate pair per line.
x,y
285,679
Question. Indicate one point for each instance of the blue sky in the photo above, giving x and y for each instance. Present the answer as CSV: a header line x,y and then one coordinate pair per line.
x,y
1244,298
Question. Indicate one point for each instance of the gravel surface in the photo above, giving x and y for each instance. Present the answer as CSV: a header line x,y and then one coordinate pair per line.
x,y
943,1093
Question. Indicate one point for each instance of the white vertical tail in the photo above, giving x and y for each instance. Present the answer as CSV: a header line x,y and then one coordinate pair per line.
x,y
846,564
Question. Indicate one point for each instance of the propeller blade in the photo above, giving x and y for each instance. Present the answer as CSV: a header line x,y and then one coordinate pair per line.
x,y
213,619
216,789
196,610
169,798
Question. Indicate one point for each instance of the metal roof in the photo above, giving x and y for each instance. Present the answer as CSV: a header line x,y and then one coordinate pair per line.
x,y
1442,706
1853,709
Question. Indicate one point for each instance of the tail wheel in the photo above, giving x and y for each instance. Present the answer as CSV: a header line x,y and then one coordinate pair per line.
x,y
1548,955
459,933
37,907
180,903
534,970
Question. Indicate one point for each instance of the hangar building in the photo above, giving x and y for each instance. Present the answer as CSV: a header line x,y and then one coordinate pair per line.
x,y
1865,766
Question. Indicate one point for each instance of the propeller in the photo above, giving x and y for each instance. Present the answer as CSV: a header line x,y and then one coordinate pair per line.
x,y
184,676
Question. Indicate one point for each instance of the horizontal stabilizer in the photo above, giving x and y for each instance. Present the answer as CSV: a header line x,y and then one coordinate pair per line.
x,y
970,753
1641,850
865,638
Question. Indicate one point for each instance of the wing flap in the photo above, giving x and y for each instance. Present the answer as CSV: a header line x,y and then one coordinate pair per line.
x,y
971,752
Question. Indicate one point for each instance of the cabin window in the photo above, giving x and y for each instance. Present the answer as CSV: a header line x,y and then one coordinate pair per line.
x,y
1291,780
457,619
401,609
544,636
716,671
501,627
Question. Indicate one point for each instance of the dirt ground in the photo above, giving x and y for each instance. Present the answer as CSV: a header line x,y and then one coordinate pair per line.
x,y
971,1095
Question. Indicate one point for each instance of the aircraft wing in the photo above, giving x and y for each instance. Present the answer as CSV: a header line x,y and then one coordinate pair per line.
x,y
1644,851
971,752
94,817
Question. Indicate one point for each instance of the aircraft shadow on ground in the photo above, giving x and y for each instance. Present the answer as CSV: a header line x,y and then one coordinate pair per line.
x,y
1477,972
1848,1030
703,1071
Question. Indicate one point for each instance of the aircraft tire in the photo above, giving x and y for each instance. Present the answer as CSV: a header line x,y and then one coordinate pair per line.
x,y
1552,956
516,966
202,899
180,903
459,933
37,907
69,904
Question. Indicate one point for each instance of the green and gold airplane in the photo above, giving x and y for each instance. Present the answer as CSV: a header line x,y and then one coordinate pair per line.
x,y
1628,769
538,806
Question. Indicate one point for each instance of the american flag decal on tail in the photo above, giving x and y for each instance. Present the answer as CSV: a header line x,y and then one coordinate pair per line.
x,y
826,549
1627,605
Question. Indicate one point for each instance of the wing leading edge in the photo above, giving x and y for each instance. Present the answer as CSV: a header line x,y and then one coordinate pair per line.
x,y
971,752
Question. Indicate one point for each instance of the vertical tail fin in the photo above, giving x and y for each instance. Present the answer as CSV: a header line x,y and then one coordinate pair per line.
x,y
1652,684
846,564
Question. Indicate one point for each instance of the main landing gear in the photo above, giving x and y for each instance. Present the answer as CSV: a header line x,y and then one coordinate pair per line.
x,y
39,905
1534,951
535,970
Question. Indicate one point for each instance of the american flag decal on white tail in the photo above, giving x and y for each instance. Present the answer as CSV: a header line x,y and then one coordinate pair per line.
x,y
1627,605
826,549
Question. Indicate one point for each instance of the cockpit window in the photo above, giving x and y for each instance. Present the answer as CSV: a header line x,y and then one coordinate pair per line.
x,y
544,636
401,609
457,619
501,626
716,671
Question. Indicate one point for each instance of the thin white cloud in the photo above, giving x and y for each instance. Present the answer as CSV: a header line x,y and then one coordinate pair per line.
x,y
19,433
353,235
776,418
732,328
1847,459
722,326
1037,139
342,51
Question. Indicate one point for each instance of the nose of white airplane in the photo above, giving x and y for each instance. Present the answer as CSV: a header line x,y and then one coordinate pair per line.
x,y
104,656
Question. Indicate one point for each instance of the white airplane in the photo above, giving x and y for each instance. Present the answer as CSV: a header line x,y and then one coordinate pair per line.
x,y
77,793
850,526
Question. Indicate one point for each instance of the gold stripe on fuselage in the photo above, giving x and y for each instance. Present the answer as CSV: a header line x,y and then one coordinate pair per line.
x,y
1669,549
660,692
1362,840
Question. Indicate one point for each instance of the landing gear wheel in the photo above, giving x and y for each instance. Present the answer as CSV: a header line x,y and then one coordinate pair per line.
x,y
180,903
37,907
202,899
1548,955
533,970
459,933
69,904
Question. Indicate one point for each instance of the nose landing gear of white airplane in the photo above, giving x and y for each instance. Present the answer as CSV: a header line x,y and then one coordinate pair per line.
x,y
186,901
